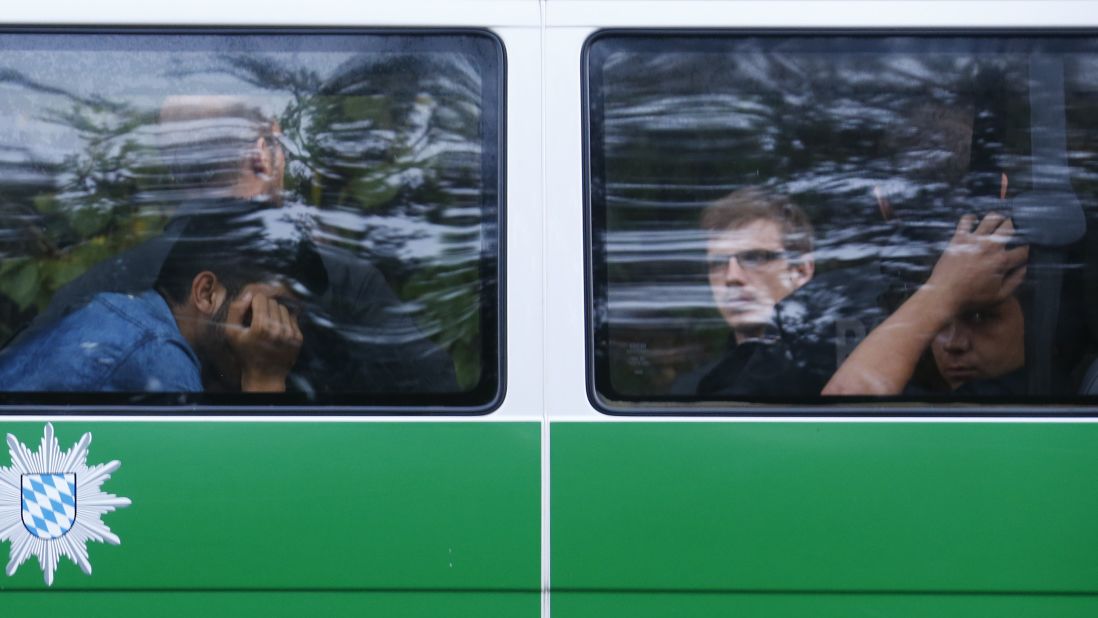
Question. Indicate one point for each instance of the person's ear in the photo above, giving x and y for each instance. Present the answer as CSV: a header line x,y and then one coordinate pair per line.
x,y
207,293
801,272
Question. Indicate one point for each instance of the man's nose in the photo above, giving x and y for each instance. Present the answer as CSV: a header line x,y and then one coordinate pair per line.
x,y
956,338
733,272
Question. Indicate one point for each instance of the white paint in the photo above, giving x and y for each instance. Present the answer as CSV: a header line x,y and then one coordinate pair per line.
x,y
334,13
821,13
524,212
545,341
565,352
546,355
546,469
568,25
523,266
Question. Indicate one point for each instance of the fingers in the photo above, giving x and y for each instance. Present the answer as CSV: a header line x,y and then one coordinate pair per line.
x,y
994,227
288,325
261,315
234,318
272,321
1014,258
238,308
276,328
1006,228
284,321
1004,234
268,348
964,226
298,336
991,222
1011,282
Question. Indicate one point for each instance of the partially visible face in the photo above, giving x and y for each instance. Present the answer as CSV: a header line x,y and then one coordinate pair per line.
x,y
274,156
981,345
749,273
221,368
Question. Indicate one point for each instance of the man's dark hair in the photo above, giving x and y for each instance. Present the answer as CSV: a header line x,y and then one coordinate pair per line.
x,y
241,242
749,204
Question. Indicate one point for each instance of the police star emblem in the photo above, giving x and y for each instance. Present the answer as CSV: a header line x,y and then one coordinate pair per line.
x,y
51,505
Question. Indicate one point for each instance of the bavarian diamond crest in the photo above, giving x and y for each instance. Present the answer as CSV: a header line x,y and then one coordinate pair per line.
x,y
51,504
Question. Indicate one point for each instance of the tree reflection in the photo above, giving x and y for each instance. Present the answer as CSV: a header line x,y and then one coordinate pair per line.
x,y
884,150
384,161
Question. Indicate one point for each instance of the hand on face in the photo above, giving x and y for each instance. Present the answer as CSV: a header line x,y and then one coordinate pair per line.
x,y
267,347
977,269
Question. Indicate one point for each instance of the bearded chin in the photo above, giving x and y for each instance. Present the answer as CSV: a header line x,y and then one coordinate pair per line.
x,y
216,356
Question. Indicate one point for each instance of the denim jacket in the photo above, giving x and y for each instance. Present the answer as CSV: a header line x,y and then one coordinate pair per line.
x,y
117,342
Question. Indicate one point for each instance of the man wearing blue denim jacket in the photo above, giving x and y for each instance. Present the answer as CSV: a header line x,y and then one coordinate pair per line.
x,y
117,342
219,318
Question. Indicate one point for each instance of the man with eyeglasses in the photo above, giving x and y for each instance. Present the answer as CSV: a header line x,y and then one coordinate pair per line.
x,y
759,251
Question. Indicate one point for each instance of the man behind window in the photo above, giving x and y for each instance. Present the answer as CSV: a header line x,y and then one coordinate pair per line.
x,y
358,338
759,252
218,314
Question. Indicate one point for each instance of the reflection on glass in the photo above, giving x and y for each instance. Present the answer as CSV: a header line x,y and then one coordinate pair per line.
x,y
373,156
884,144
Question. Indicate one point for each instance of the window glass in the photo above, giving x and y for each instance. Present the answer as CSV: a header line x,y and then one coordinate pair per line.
x,y
291,217
796,219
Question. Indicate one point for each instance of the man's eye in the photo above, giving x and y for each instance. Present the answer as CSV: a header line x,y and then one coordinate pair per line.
x,y
718,262
757,257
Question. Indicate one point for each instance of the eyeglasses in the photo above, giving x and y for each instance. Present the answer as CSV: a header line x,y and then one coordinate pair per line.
x,y
752,259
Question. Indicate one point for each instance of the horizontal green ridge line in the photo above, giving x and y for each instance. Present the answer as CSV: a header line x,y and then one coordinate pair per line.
x,y
831,592
646,591
284,590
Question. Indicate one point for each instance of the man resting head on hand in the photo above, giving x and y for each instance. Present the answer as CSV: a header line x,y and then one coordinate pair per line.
x,y
220,317
978,272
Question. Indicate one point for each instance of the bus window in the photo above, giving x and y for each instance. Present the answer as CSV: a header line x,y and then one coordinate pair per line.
x,y
835,218
237,218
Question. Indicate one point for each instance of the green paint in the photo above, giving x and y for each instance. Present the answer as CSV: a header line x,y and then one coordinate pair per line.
x,y
824,507
445,506
648,519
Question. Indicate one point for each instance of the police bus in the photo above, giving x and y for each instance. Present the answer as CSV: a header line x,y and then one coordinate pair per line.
x,y
549,308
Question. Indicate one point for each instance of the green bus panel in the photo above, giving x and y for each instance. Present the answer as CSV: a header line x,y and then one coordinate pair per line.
x,y
693,605
273,604
336,507
824,508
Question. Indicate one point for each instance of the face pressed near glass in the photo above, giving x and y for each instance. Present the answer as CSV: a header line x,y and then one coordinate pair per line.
x,y
749,274
981,345
224,364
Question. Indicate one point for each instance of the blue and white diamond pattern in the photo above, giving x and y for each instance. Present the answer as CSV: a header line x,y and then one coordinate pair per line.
x,y
49,504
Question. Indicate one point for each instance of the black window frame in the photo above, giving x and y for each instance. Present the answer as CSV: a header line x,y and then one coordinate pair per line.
x,y
481,400
596,338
